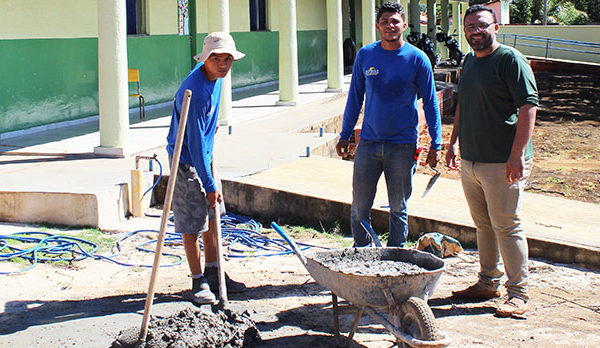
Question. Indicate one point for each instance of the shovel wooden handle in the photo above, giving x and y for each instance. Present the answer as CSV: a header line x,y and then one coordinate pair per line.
x,y
220,269
165,212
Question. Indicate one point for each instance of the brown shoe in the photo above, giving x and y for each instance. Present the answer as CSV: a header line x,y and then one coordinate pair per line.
x,y
513,306
475,292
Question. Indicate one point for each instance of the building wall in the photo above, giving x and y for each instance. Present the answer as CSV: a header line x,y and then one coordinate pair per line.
x,y
41,19
162,17
49,55
496,6
586,33
311,14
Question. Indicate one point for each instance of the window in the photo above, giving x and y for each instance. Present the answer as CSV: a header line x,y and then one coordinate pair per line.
x,y
136,17
183,18
258,15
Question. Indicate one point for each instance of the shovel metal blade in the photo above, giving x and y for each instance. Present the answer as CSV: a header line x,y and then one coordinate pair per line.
x,y
431,182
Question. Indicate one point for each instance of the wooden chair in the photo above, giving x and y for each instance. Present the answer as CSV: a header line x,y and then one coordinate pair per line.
x,y
134,76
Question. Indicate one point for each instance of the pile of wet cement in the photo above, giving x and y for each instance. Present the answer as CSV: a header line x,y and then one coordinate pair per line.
x,y
367,264
194,328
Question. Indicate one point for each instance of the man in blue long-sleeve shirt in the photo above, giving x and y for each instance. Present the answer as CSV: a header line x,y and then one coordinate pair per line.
x,y
197,191
389,73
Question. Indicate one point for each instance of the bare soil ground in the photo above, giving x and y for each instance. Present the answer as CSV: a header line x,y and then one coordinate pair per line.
x,y
87,303
565,140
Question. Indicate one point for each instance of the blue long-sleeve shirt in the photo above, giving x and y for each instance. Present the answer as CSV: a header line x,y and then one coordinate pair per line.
x,y
390,79
197,149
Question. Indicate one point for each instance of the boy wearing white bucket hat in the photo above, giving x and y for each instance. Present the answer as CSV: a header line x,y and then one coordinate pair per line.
x,y
197,189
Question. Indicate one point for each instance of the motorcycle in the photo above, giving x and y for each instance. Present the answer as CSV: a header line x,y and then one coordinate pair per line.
x,y
450,42
428,48
423,43
413,37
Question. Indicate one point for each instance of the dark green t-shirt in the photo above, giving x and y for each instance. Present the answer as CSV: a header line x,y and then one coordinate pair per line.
x,y
490,91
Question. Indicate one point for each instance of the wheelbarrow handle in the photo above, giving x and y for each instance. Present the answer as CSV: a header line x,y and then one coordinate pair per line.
x,y
289,240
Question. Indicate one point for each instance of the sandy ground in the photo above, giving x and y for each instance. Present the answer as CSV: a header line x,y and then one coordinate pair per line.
x,y
567,155
88,303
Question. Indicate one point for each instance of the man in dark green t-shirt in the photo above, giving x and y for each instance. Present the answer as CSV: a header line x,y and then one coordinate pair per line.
x,y
497,105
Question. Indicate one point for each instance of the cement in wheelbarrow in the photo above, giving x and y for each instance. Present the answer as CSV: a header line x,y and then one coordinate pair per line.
x,y
368,290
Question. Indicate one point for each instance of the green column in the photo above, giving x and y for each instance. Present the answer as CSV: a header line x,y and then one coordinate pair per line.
x,y
335,60
288,53
113,101
218,20
415,15
431,20
368,21
445,24
457,25
455,19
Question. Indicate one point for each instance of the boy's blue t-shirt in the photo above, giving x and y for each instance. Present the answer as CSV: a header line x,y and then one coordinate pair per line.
x,y
391,79
203,114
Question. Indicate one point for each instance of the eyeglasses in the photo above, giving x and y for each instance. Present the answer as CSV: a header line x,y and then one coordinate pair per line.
x,y
478,27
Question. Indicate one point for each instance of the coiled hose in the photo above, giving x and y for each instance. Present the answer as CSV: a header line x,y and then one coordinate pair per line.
x,y
240,234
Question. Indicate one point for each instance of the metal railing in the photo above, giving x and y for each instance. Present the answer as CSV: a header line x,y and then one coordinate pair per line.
x,y
551,44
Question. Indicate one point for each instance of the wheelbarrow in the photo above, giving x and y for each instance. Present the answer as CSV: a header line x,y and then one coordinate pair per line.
x,y
402,295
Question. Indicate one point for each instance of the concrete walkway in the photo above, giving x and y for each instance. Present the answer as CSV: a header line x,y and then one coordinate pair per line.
x,y
54,176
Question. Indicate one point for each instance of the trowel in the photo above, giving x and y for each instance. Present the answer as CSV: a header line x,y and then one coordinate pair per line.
x,y
431,181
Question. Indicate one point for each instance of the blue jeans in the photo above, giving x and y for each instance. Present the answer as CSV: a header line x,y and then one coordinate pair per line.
x,y
397,163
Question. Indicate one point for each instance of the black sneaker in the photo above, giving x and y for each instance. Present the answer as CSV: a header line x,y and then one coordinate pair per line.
x,y
212,276
201,293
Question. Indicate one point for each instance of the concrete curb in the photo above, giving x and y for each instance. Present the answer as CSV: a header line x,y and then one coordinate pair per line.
x,y
269,204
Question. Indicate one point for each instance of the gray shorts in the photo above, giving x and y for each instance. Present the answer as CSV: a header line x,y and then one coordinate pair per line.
x,y
191,209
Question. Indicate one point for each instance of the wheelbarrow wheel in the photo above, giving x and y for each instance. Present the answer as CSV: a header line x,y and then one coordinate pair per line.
x,y
418,321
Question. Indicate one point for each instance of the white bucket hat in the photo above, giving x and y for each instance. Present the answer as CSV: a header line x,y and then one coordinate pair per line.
x,y
218,42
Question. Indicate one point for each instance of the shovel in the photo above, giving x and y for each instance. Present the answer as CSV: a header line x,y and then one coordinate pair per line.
x,y
132,337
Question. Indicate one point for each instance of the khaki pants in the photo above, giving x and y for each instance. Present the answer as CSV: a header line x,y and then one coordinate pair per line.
x,y
494,206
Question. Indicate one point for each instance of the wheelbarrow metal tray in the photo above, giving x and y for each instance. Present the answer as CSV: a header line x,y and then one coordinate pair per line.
x,y
367,290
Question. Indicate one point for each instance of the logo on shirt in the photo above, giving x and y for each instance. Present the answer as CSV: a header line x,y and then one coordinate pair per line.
x,y
372,71
211,112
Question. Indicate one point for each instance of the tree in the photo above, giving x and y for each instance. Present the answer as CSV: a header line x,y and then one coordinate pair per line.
x,y
520,11
580,4
537,10
593,10
564,12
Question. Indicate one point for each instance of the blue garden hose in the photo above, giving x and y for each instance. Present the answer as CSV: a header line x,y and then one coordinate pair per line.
x,y
241,236
159,176
48,247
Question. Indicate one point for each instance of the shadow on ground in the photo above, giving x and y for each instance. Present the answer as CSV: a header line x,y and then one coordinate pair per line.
x,y
22,314
307,340
450,307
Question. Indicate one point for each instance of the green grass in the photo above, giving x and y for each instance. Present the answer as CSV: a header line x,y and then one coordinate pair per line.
x,y
334,234
556,180
104,242
410,242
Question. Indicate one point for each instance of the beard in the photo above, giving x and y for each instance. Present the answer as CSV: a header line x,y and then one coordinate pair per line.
x,y
391,37
486,40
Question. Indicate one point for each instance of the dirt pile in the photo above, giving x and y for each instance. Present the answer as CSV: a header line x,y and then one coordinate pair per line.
x,y
195,328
